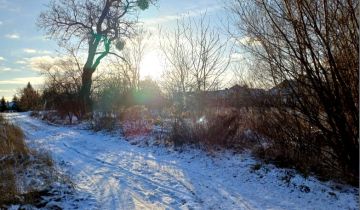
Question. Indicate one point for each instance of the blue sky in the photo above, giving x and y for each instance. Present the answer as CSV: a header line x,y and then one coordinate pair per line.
x,y
22,43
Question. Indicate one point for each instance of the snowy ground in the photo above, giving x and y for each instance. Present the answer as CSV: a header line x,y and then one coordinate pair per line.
x,y
114,174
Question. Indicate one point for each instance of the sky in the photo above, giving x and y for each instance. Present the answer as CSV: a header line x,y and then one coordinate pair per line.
x,y
23,44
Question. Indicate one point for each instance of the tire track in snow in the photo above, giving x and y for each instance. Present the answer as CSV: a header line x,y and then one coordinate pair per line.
x,y
136,176
133,178
210,184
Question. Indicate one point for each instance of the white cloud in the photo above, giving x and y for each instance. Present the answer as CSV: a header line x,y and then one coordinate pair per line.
x,y
2,58
162,19
190,13
246,40
36,63
4,68
23,80
7,90
41,62
7,93
21,62
34,51
28,50
12,36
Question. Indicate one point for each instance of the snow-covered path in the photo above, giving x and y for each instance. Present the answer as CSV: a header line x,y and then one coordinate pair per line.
x,y
119,175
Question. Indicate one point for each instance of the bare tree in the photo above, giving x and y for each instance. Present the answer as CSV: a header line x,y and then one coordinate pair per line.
x,y
177,76
208,53
197,57
312,47
63,83
64,71
128,66
97,23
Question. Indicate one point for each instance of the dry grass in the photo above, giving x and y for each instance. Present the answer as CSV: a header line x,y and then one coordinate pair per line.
x,y
15,161
8,189
12,151
12,140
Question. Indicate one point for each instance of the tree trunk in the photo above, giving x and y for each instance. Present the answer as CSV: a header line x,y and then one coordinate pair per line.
x,y
85,90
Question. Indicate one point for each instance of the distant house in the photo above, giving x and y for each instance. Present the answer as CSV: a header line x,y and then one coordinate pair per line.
x,y
9,105
216,97
287,90
283,88
236,96
12,106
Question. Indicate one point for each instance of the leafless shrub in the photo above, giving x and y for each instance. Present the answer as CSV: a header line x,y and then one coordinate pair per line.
x,y
63,83
104,123
293,143
299,47
225,129
218,130
136,121
180,134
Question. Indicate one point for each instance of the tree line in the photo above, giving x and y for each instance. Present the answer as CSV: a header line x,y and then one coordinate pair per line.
x,y
29,99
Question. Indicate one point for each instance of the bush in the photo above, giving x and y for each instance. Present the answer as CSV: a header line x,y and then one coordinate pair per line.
x,y
106,123
293,143
219,130
180,133
137,121
213,130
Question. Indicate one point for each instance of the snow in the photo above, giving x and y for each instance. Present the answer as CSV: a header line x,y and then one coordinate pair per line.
x,y
114,174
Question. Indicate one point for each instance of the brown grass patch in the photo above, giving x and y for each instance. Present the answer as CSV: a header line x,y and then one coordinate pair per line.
x,y
15,161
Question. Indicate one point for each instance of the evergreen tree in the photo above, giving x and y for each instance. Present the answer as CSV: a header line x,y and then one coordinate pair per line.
x,y
29,99
3,106
15,105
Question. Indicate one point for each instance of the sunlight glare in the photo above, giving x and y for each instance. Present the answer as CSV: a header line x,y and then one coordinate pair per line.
x,y
152,65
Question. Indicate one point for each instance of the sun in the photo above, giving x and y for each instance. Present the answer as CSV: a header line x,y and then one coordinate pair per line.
x,y
152,65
